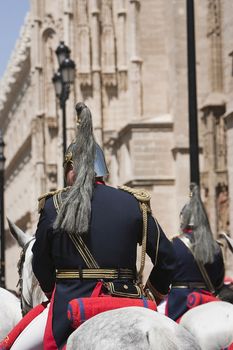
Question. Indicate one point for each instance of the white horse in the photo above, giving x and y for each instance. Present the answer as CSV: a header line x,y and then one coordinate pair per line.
x,y
117,329
30,295
10,312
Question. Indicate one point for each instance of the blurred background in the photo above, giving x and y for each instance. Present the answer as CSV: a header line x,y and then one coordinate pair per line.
x,y
128,60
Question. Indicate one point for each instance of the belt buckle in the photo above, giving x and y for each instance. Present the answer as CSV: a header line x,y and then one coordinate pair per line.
x,y
80,270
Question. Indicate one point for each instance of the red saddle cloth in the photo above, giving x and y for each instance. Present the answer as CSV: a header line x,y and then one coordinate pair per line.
x,y
198,298
81,309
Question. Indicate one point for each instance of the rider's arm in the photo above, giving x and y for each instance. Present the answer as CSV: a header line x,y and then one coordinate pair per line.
x,y
161,252
42,262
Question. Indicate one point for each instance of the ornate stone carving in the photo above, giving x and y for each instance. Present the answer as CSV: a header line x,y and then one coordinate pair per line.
x,y
83,34
220,139
121,45
48,22
222,201
122,80
108,44
18,57
214,35
51,170
82,12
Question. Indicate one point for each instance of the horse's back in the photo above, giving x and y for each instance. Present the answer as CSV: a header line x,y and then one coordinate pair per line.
x,y
211,324
131,328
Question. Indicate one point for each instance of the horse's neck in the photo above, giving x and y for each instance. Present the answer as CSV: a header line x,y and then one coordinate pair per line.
x,y
31,291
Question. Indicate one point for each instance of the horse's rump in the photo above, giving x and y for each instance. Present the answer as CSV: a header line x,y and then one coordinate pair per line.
x,y
131,328
211,324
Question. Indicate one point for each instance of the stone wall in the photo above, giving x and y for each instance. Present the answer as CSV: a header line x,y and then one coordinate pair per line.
x,y
131,64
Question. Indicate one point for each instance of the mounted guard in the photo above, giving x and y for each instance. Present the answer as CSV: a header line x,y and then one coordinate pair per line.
x,y
199,272
84,256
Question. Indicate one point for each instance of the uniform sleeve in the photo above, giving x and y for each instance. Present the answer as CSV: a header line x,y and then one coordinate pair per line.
x,y
162,255
42,262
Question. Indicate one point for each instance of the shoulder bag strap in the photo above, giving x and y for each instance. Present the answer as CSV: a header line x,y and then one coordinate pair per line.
x,y
77,239
201,266
84,251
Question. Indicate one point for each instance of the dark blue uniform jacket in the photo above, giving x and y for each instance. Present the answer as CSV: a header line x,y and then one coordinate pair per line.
x,y
187,271
115,230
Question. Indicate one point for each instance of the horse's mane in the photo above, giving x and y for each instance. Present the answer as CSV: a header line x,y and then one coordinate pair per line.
x,y
31,292
14,292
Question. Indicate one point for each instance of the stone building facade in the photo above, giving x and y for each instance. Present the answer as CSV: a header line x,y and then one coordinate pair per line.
x,y
131,70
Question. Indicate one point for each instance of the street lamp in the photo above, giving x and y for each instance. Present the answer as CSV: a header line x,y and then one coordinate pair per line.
x,y
2,228
62,80
62,52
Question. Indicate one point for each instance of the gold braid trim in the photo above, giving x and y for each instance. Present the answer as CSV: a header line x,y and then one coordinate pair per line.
x,y
144,202
46,195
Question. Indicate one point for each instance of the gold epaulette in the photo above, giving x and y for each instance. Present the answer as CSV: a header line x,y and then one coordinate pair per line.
x,y
46,195
141,195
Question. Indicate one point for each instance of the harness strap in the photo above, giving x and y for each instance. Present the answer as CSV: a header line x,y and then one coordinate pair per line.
x,y
25,305
201,266
95,274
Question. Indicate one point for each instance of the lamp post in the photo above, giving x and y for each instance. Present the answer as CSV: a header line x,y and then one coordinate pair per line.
x,y
2,228
62,80
193,122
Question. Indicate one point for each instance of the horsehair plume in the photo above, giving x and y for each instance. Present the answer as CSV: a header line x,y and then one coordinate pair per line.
x,y
203,244
74,214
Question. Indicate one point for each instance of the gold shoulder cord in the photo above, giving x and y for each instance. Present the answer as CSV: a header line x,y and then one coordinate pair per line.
x,y
144,202
143,207
43,198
